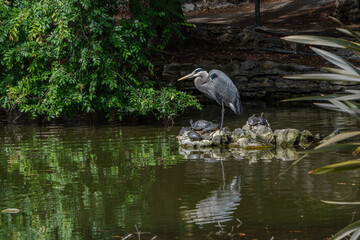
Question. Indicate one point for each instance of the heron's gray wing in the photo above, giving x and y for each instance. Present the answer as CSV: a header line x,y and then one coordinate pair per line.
x,y
225,90
206,86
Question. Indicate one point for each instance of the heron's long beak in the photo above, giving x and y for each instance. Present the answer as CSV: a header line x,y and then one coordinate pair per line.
x,y
187,76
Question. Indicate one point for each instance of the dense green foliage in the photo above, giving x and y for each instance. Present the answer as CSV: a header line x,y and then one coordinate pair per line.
x,y
62,56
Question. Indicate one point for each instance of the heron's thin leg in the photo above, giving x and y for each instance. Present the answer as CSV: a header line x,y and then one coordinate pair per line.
x,y
222,114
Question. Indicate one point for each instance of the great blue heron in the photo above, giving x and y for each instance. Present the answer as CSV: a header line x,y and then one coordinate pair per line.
x,y
218,86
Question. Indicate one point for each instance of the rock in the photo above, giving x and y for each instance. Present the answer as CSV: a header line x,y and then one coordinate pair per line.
x,y
188,7
249,144
248,65
266,134
306,139
225,38
238,133
287,137
252,137
286,154
253,155
261,82
221,137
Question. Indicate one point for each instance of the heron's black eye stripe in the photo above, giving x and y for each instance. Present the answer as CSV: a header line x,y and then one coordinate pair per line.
x,y
214,75
199,70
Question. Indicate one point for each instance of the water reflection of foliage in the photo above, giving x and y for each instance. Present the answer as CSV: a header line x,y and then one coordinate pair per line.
x,y
62,179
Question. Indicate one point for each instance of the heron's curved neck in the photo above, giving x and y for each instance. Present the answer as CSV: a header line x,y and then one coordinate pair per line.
x,y
200,80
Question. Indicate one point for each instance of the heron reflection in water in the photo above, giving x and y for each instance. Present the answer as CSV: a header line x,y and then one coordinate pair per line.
x,y
219,87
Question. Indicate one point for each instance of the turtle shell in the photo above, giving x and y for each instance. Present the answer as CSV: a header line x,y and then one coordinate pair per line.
x,y
183,130
200,124
194,135
252,121
210,127
263,120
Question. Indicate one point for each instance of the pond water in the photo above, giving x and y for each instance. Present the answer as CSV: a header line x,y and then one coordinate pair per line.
x,y
109,181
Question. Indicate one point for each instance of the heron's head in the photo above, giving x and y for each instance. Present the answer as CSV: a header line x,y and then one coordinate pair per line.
x,y
197,72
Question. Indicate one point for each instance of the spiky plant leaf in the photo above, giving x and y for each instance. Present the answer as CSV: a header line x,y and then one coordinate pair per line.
x,y
349,97
336,60
326,77
350,32
323,41
340,203
329,106
347,32
339,137
353,91
346,231
314,98
351,104
333,147
342,106
336,70
348,165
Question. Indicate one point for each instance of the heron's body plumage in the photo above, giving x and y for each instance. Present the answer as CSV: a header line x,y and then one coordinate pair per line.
x,y
217,86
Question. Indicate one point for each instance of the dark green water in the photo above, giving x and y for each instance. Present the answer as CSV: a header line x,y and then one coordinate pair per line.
x,y
103,182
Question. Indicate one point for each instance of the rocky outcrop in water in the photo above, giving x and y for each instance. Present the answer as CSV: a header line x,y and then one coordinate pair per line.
x,y
255,134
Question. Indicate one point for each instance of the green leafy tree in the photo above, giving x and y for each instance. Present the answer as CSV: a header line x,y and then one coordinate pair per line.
x,y
62,56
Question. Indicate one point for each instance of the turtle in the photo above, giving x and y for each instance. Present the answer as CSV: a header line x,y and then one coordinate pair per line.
x,y
194,135
199,125
253,121
183,130
263,120
210,127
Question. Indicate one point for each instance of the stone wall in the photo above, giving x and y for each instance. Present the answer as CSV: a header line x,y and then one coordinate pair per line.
x,y
191,5
257,80
348,10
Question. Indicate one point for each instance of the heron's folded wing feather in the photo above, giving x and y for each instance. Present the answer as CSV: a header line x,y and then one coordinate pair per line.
x,y
225,89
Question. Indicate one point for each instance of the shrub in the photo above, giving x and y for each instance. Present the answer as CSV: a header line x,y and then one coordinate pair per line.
x,y
62,56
